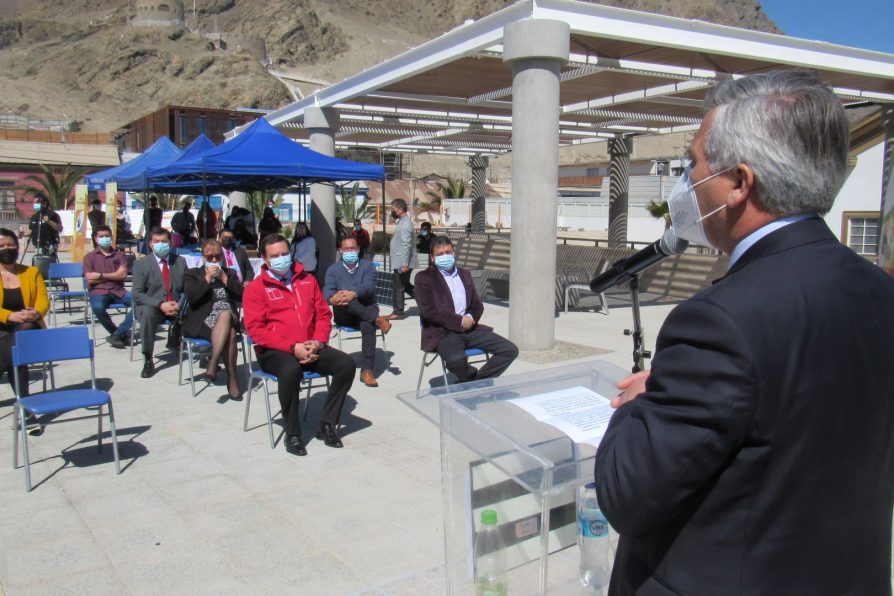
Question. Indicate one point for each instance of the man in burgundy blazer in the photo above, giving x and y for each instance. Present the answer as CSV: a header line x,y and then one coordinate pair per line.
x,y
450,310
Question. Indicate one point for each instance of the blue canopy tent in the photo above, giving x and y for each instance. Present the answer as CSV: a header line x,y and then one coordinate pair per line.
x,y
138,180
261,158
162,151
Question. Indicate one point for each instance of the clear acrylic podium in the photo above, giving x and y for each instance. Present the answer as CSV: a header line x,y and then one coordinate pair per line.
x,y
494,455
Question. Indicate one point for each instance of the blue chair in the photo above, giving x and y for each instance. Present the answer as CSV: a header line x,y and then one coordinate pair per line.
x,y
347,333
54,345
428,358
194,347
118,306
58,276
256,374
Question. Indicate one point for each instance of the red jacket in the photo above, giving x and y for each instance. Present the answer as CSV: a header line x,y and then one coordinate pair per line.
x,y
277,318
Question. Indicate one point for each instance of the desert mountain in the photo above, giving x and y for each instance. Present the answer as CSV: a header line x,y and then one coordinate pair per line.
x,y
83,60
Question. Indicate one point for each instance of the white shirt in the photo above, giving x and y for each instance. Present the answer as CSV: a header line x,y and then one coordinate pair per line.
x,y
457,290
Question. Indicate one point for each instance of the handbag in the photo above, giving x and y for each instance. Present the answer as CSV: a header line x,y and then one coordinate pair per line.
x,y
174,335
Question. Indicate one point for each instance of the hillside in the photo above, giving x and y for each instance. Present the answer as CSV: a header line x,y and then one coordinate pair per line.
x,y
82,60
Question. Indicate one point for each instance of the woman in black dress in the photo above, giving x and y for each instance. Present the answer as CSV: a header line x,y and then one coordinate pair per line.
x,y
214,294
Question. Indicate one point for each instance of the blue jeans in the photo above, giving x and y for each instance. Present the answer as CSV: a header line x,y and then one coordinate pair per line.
x,y
100,303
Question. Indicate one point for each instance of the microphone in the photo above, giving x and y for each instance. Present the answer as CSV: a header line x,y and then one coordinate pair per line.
x,y
624,270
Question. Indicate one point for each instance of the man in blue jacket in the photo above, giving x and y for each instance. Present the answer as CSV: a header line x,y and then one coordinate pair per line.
x,y
350,287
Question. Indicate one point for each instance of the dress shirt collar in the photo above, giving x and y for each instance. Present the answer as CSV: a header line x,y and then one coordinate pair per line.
x,y
752,238
353,269
286,281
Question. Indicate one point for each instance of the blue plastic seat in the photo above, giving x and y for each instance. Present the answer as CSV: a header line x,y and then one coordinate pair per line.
x,y
256,374
59,275
428,358
347,333
56,345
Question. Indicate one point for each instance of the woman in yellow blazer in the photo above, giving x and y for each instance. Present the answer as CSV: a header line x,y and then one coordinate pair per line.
x,y
23,302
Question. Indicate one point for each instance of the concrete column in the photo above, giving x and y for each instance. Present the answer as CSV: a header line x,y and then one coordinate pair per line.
x,y
618,190
478,163
886,242
535,49
322,124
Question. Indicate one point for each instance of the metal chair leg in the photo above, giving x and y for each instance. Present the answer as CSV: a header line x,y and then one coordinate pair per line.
x,y
269,416
99,430
25,453
114,437
247,404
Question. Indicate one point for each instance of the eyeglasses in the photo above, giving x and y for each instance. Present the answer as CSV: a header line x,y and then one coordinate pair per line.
x,y
215,257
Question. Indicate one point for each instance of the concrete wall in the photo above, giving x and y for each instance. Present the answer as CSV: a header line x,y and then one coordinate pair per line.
x,y
862,190
163,13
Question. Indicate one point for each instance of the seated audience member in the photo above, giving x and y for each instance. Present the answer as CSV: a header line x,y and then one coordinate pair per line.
x,y
105,270
213,293
157,289
23,304
350,287
304,248
184,225
269,223
289,321
245,237
363,240
423,239
235,257
450,309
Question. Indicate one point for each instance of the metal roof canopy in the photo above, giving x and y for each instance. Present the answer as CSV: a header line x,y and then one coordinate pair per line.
x,y
630,73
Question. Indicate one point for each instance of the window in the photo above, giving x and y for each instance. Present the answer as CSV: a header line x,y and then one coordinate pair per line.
x,y
7,194
861,232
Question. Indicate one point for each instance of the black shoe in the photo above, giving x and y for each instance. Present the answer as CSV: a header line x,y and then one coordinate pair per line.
x,y
148,369
328,436
116,341
295,445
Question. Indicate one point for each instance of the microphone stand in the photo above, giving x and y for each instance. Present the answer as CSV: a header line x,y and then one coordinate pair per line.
x,y
639,354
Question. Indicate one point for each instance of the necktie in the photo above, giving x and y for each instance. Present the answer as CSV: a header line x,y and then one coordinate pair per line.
x,y
231,263
166,276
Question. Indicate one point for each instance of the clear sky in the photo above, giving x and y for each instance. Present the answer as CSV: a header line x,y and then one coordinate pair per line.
x,y
867,24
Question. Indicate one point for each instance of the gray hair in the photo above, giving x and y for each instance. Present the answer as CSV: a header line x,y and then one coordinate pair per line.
x,y
790,128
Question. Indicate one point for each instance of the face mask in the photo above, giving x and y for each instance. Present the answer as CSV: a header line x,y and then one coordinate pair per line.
x,y
423,233
104,241
394,215
227,243
358,227
682,203
8,256
445,262
212,264
350,257
161,249
37,207
281,265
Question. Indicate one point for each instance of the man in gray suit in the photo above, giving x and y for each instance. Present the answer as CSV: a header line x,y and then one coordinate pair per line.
x,y
157,288
403,256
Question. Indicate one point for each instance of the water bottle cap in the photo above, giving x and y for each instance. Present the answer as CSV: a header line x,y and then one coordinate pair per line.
x,y
489,517
591,485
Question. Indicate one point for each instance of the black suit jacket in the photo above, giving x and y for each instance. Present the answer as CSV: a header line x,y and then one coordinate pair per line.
x,y
760,460
200,298
436,306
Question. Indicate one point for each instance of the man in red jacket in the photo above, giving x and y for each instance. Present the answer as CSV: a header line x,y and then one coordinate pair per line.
x,y
289,321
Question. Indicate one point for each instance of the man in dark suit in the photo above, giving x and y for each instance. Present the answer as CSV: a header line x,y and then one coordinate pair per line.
x,y
450,309
235,256
757,456
157,289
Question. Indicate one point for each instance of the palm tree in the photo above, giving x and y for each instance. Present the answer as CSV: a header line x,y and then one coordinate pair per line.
x,y
660,211
451,188
55,188
348,209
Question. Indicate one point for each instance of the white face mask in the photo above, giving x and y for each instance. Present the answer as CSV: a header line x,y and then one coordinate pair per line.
x,y
686,218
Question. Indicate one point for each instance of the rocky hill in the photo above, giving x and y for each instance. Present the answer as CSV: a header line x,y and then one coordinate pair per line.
x,y
82,60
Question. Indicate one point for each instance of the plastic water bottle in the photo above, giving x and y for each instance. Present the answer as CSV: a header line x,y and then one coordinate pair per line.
x,y
491,566
593,541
